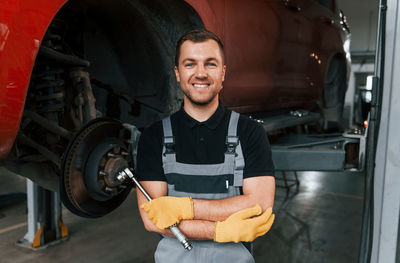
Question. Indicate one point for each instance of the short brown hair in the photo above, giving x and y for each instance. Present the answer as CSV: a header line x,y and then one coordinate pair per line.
x,y
197,36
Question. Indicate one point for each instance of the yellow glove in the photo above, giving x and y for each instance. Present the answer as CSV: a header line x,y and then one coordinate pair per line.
x,y
244,225
167,211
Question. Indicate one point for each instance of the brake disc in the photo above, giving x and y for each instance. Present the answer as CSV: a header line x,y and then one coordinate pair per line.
x,y
88,187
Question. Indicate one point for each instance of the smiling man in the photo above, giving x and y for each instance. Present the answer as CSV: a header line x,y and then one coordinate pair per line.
x,y
208,168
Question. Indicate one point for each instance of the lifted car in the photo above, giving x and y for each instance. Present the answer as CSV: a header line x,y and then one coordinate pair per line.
x,y
78,77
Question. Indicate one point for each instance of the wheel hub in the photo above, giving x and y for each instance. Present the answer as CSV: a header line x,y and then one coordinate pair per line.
x,y
88,186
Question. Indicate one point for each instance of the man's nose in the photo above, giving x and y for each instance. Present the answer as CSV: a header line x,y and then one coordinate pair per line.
x,y
201,72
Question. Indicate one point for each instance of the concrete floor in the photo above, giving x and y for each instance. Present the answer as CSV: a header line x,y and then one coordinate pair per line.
x,y
321,223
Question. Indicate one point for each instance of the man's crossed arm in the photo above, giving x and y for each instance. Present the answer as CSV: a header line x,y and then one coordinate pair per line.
x,y
231,219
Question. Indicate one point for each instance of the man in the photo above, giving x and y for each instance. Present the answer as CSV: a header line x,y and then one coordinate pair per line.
x,y
207,168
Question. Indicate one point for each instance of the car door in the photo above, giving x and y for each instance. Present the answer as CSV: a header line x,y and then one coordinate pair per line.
x,y
321,40
262,44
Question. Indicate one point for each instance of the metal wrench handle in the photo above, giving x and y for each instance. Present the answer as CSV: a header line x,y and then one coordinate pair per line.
x,y
174,229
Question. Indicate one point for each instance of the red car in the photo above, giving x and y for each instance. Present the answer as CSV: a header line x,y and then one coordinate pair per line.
x,y
66,65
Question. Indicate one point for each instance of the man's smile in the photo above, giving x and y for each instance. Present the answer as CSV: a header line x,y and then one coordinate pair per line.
x,y
201,86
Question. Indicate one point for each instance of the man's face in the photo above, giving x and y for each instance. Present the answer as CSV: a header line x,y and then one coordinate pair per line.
x,y
201,71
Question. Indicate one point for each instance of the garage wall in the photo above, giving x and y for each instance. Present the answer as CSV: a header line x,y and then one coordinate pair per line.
x,y
362,16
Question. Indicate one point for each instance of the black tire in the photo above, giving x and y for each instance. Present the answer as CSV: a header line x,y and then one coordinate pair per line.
x,y
332,99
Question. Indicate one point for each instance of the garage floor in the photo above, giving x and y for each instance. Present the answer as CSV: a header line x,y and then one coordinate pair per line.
x,y
321,223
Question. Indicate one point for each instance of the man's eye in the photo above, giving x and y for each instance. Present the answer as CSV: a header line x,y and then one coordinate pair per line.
x,y
210,64
189,65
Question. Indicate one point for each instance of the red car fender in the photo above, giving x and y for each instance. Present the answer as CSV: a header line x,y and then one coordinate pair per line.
x,y
23,24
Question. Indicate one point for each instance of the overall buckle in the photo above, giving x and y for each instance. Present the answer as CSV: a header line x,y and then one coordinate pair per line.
x,y
169,143
231,143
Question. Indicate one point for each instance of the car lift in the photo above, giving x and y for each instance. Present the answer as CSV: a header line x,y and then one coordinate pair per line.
x,y
380,235
328,152
45,225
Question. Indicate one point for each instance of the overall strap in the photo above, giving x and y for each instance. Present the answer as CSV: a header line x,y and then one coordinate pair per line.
x,y
167,128
233,123
168,141
232,140
234,149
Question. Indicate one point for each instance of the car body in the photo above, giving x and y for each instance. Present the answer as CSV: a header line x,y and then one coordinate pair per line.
x,y
277,52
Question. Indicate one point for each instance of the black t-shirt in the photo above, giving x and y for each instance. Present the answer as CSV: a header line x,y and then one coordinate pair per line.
x,y
203,143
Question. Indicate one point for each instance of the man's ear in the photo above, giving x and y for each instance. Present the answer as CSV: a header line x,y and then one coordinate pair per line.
x,y
223,73
177,74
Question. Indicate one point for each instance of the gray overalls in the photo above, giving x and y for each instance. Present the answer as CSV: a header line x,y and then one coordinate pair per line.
x,y
203,181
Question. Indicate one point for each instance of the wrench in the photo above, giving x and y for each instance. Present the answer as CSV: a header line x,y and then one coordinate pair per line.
x,y
126,173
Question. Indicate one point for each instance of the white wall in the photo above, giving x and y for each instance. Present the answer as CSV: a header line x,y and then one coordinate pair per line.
x,y
362,16
349,99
